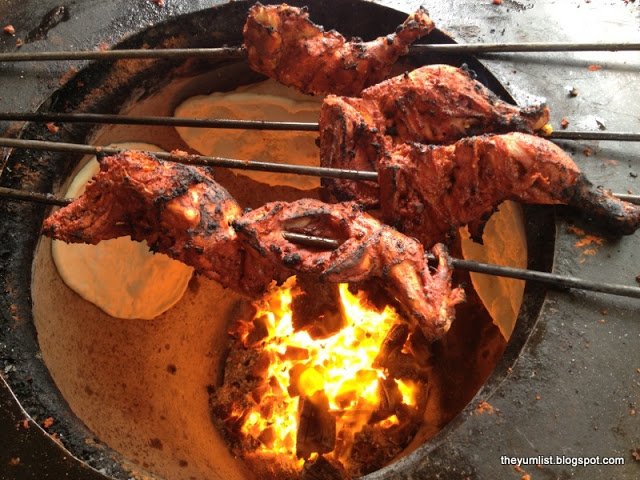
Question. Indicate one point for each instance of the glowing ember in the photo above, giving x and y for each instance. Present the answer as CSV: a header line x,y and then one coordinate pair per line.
x,y
314,396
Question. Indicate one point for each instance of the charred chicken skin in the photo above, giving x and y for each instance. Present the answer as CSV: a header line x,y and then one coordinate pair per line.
x,y
178,210
441,103
182,211
350,138
282,43
432,104
367,249
427,191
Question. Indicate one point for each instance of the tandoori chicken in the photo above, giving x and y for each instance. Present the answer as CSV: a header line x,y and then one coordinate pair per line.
x,y
282,43
431,104
367,249
428,186
177,209
182,211
428,191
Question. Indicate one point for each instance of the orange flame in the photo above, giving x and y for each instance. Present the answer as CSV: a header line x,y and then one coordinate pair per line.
x,y
340,365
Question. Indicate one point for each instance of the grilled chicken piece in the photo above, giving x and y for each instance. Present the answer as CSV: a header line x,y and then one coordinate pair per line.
x,y
367,249
432,104
350,138
441,104
429,191
284,44
179,210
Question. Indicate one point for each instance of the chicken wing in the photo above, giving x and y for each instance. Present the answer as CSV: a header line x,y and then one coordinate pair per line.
x,y
367,249
432,104
284,44
178,210
429,191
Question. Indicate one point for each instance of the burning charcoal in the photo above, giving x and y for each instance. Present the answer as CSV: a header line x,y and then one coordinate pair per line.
x,y
267,437
404,365
371,450
390,400
349,388
421,348
392,344
398,363
316,427
228,407
258,332
324,469
295,353
258,392
375,446
310,381
258,369
294,379
268,405
404,417
244,359
276,388
247,404
316,308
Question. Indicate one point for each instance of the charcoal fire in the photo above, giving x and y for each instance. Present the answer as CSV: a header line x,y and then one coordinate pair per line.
x,y
298,401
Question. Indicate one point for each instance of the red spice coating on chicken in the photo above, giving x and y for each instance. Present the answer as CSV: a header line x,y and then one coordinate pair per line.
x,y
284,44
428,191
432,104
441,104
350,138
179,210
367,249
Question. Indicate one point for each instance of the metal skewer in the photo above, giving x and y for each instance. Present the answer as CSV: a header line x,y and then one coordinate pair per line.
x,y
554,279
50,199
101,118
331,244
239,52
457,48
35,197
198,160
209,161
163,53
161,121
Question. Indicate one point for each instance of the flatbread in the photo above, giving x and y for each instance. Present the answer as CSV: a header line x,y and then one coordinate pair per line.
x,y
266,100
